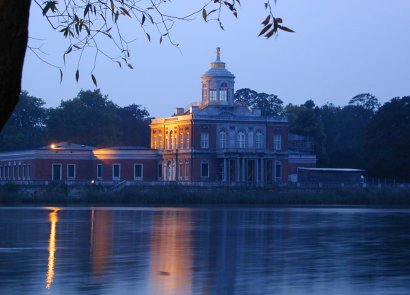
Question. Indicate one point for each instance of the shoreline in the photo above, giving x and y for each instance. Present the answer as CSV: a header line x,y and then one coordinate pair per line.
x,y
178,196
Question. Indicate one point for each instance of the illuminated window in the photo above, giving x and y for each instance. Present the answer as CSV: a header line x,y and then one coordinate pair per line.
x,y
155,143
99,171
116,171
204,140
277,142
222,139
181,141
187,140
138,171
241,139
70,171
171,142
223,92
258,140
204,169
160,142
212,94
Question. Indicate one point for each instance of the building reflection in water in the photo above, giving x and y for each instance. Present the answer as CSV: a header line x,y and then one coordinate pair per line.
x,y
53,218
171,253
100,241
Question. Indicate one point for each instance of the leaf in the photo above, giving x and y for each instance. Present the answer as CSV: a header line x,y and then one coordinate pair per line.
x,y
77,75
125,12
160,40
149,37
279,20
112,6
94,80
130,66
271,32
286,29
119,64
204,14
61,76
220,24
266,21
265,29
87,8
212,11
143,19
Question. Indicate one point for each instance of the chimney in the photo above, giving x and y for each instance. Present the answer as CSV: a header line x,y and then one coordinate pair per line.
x,y
179,111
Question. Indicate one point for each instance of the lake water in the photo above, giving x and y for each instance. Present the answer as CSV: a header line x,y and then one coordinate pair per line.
x,y
178,251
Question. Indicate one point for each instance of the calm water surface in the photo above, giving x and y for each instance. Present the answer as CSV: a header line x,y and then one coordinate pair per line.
x,y
169,251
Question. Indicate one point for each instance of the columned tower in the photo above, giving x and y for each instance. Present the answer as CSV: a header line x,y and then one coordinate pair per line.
x,y
217,84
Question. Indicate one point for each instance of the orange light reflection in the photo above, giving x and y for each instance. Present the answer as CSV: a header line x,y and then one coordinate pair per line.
x,y
53,217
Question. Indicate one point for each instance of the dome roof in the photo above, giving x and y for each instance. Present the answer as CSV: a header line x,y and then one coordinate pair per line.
x,y
218,68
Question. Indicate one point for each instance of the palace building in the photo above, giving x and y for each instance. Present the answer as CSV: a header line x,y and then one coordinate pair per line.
x,y
220,141
215,141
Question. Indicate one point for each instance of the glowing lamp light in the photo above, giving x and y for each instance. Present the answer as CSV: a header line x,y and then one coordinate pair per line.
x,y
53,146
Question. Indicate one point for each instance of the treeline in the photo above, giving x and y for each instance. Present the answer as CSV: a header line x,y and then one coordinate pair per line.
x,y
90,119
362,134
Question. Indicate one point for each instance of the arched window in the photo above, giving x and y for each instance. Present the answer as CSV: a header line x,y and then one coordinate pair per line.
x,y
212,94
222,139
223,92
258,140
241,139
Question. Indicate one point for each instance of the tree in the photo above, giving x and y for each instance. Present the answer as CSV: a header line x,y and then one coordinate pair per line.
x,y
269,104
387,143
27,125
366,100
134,126
90,119
84,23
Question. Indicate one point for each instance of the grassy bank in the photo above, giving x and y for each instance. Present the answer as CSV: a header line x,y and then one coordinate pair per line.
x,y
176,195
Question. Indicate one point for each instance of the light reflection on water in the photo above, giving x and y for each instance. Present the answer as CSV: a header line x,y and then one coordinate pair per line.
x,y
169,251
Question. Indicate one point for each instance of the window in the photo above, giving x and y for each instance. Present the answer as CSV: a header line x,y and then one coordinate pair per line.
x,y
8,172
160,142
28,171
212,94
204,169
180,170
223,92
277,142
222,139
138,171
171,143
187,167
181,141
24,171
14,171
160,170
258,140
278,169
241,139
56,172
70,171
204,140
155,143
116,171
187,140
18,171
99,171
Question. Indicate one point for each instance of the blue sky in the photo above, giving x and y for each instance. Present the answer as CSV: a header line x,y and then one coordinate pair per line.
x,y
341,48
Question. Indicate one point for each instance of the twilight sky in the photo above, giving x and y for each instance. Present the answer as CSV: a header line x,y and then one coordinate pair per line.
x,y
341,48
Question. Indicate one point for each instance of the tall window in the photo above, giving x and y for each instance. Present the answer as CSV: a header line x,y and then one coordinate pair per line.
x,y
166,142
241,139
180,170
155,143
181,141
223,92
212,94
258,140
222,139
70,171
116,171
24,171
28,171
278,169
187,167
204,169
99,171
160,141
138,171
187,140
171,142
204,140
277,142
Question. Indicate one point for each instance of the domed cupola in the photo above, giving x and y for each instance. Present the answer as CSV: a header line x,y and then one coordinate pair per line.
x,y
217,84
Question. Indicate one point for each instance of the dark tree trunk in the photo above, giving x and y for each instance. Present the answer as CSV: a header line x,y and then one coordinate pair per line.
x,y
14,15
